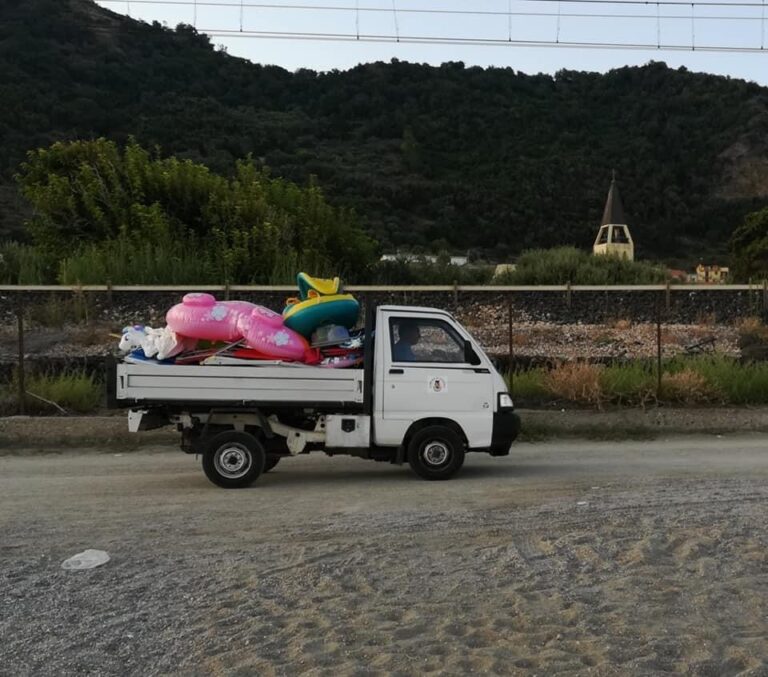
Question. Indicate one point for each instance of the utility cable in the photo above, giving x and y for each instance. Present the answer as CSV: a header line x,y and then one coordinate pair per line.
x,y
429,40
658,17
437,11
394,16
693,27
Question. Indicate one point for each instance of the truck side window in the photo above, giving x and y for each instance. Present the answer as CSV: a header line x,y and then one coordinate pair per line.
x,y
424,340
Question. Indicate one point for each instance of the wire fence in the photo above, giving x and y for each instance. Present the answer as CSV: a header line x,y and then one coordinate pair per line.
x,y
46,329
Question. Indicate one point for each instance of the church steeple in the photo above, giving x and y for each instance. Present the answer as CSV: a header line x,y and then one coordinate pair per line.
x,y
614,209
613,238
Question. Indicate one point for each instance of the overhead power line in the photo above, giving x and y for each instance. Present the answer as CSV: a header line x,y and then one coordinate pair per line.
x,y
428,40
657,13
557,14
436,10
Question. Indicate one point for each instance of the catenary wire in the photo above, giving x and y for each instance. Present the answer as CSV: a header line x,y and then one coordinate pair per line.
x,y
438,11
571,15
427,40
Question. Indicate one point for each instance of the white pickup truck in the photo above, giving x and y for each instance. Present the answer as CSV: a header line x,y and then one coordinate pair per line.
x,y
427,393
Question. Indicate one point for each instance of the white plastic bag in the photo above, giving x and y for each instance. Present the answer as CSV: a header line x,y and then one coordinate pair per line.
x,y
88,559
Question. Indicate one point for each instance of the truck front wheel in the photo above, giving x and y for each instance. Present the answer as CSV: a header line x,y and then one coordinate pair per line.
x,y
436,452
233,459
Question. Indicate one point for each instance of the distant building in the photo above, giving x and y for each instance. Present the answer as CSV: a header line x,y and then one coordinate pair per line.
x,y
678,275
613,238
711,274
420,258
503,269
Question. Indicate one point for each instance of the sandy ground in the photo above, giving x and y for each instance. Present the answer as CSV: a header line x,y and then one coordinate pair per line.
x,y
579,558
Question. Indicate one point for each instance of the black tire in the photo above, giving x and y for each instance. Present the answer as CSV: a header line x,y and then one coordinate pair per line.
x,y
271,462
233,459
436,452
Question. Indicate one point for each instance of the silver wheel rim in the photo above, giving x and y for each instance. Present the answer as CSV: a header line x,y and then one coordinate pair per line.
x,y
435,453
232,461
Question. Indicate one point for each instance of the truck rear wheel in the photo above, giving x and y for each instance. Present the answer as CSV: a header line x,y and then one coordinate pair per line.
x,y
271,462
436,452
233,459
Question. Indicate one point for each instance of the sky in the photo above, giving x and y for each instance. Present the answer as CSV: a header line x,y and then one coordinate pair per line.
x,y
715,23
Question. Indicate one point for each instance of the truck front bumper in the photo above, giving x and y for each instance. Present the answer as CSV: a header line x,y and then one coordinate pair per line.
x,y
506,428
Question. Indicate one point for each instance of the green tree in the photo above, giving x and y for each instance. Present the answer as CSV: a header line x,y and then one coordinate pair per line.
x,y
568,264
749,248
96,207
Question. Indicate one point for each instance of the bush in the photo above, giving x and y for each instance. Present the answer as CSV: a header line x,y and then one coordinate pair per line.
x,y
73,390
528,384
575,381
697,380
736,382
752,332
23,264
57,312
425,272
633,383
569,264
687,387
137,218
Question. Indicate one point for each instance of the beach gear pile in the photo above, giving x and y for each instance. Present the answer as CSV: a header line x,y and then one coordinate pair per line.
x,y
315,328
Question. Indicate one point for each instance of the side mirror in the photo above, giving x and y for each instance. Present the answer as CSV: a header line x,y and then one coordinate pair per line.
x,y
470,356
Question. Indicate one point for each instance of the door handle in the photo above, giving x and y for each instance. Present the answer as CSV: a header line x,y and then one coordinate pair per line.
x,y
396,371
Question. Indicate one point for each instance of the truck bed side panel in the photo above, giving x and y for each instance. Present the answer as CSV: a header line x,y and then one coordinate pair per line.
x,y
234,384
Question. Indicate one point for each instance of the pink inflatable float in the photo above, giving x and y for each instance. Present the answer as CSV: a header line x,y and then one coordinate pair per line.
x,y
264,331
201,316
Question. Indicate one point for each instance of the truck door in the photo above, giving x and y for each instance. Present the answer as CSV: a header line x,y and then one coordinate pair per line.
x,y
426,374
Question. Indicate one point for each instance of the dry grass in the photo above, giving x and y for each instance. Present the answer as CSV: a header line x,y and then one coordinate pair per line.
x,y
687,387
750,325
707,319
752,332
522,340
697,334
575,381
621,324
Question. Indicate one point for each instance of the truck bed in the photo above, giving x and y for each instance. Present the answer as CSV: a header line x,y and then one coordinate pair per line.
x,y
229,384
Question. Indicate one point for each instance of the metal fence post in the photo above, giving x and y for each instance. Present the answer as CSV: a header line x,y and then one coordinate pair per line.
x,y
20,375
511,363
658,349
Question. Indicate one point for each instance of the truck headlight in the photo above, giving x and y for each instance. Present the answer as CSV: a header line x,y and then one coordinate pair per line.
x,y
505,401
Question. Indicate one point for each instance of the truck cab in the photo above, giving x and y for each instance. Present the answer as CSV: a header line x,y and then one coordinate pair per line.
x,y
429,369
427,394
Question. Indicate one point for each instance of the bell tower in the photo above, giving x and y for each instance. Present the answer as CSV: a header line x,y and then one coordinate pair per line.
x,y
613,238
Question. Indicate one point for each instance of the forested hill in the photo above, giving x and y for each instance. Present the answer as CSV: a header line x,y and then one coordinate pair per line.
x,y
471,157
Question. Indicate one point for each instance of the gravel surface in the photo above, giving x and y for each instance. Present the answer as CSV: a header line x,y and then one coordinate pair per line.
x,y
632,558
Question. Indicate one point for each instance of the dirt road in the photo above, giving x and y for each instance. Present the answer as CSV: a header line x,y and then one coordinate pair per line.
x,y
593,558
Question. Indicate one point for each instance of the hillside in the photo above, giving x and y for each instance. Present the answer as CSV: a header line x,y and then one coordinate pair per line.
x,y
462,157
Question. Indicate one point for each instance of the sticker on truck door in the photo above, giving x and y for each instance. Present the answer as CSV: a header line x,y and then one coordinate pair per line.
x,y
437,385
